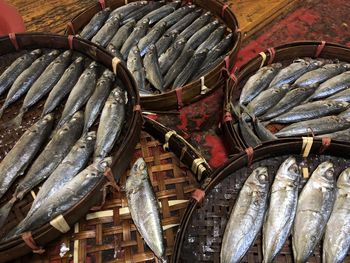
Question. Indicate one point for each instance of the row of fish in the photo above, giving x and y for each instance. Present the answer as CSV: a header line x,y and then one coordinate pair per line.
x,y
68,158
322,209
306,96
164,44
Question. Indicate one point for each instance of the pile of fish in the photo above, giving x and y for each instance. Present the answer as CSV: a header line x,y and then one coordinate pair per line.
x,y
307,96
165,45
322,209
68,156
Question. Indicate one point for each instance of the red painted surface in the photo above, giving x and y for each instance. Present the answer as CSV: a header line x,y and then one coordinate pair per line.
x,y
10,20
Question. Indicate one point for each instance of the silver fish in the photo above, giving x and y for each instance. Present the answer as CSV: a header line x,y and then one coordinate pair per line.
x,y
167,59
165,41
196,25
213,39
150,38
313,210
343,135
341,96
246,217
107,31
174,17
96,22
152,68
201,35
336,241
122,34
345,114
124,10
144,208
184,22
220,49
134,64
141,12
246,131
162,12
115,52
282,208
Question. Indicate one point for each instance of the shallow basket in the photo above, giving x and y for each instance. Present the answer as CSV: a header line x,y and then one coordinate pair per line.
x,y
193,91
284,54
10,48
201,232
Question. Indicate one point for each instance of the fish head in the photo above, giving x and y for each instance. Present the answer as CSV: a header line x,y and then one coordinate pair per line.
x,y
324,173
54,53
48,118
117,95
285,87
344,179
43,122
88,138
36,52
103,164
342,104
206,14
345,65
139,169
276,66
301,61
93,65
67,54
214,23
144,23
114,19
180,43
108,74
289,169
162,25
79,60
259,178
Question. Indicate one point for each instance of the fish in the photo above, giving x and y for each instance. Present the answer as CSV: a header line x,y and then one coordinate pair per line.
x,y
213,39
80,93
322,125
150,38
184,22
293,98
246,217
177,66
64,86
315,77
107,31
332,86
343,135
258,82
201,35
162,12
51,156
144,208
293,71
311,110
176,16
133,39
282,209
23,152
16,68
167,59
341,96
345,114
64,199
165,41
141,12
336,242
207,67
95,103
26,79
190,69
134,65
44,84
314,207
94,25
114,52
111,123
267,99
246,131
199,23
152,68
124,10
220,49
122,35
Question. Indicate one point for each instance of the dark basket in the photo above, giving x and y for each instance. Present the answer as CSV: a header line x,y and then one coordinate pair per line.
x,y
10,48
192,91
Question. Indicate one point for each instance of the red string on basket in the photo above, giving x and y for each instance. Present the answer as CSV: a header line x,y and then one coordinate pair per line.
x,y
227,116
250,153
272,53
102,3
13,39
179,97
70,25
30,242
70,41
223,10
232,73
198,195
319,48
326,142
109,176
137,107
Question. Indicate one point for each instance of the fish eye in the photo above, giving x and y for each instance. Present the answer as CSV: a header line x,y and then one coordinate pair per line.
x,y
330,173
262,177
142,166
294,168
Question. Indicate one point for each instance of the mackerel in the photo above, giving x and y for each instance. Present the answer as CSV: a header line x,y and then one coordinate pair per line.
x,y
96,22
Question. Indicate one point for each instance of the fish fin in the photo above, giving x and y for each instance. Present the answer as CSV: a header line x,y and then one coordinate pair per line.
x,y
249,113
16,122
5,211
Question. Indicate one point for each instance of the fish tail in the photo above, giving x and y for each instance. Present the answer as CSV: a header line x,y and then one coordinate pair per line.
x,y
2,111
249,113
5,211
16,122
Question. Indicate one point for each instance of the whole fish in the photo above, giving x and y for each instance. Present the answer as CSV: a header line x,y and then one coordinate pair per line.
x,y
258,82
27,78
336,241
199,23
64,199
114,52
332,86
201,35
315,77
293,71
122,34
220,49
162,12
95,103
144,208
313,210
111,123
176,16
52,155
213,39
124,10
266,99
134,64
282,208
96,22
322,125
341,96
190,69
311,110
107,31
141,12
63,86
22,153
167,59
133,39
177,66
16,68
345,114
153,73
184,22
246,217
44,84
343,135
80,93
165,41
151,38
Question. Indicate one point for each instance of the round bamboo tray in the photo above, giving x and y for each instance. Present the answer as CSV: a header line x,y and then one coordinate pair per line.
x,y
195,90
10,48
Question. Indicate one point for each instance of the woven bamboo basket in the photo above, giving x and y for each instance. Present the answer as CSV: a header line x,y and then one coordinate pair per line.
x,y
10,48
283,54
200,235
195,90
